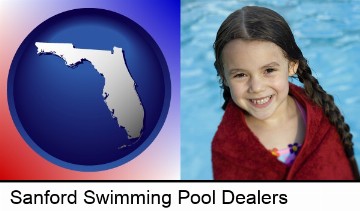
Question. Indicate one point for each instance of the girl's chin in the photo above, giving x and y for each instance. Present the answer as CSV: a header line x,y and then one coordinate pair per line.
x,y
260,114
260,117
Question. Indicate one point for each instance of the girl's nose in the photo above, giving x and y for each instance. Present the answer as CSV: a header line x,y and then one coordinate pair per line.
x,y
256,85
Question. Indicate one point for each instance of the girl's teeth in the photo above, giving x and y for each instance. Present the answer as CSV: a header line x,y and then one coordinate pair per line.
x,y
262,101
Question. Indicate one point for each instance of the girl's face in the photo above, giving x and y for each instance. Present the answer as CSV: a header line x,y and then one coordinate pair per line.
x,y
257,74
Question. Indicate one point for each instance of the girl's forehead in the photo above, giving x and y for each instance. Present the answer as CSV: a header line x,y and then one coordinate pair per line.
x,y
245,54
252,47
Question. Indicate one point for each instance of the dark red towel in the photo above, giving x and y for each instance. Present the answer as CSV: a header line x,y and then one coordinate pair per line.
x,y
237,153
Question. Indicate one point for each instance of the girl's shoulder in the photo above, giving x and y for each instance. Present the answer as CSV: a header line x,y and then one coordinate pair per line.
x,y
297,90
300,95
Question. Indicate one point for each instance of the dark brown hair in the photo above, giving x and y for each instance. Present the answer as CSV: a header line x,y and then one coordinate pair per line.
x,y
259,23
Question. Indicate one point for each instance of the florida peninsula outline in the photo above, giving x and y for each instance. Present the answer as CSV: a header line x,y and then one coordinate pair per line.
x,y
119,91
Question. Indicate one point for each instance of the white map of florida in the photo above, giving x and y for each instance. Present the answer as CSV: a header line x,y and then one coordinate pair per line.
x,y
119,91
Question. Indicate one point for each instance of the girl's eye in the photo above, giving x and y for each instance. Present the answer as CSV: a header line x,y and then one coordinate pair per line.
x,y
269,70
239,75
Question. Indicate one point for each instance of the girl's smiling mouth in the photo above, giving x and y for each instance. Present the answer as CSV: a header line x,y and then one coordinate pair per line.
x,y
261,102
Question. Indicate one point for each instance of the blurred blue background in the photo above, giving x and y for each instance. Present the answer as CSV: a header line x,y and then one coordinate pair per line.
x,y
328,33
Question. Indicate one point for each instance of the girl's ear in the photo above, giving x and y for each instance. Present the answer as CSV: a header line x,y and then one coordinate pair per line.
x,y
293,66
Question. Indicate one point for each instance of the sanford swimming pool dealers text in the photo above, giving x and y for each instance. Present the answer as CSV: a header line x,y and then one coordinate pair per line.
x,y
148,198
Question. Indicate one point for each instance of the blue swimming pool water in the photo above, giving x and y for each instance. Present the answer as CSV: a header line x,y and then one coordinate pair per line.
x,y
328,32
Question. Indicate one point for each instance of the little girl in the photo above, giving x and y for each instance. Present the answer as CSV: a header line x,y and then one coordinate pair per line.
x,y
273,129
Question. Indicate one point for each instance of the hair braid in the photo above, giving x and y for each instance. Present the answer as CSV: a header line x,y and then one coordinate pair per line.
x,y
226,96
314,90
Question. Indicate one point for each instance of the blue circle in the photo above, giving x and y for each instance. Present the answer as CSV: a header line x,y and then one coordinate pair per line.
x,y
60,111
